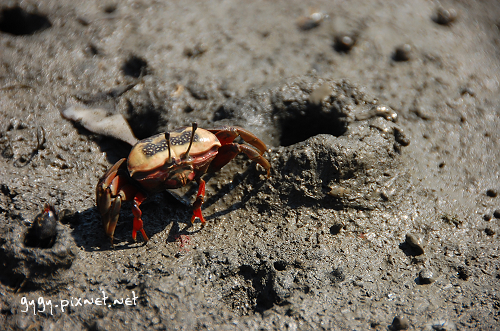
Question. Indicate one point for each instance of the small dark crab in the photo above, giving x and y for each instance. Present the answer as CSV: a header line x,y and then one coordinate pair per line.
x,y
170,160
43,230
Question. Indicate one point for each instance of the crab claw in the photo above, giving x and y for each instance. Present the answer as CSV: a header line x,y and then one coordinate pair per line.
x,y
229,149
112,189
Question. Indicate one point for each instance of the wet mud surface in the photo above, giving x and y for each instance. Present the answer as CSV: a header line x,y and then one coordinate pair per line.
x,y
383,206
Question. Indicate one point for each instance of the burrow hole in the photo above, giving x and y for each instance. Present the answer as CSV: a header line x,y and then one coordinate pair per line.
x,y
299,124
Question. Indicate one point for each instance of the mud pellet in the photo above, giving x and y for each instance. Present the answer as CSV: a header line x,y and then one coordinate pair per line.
x,y
416,242
426,276
402,53
400,323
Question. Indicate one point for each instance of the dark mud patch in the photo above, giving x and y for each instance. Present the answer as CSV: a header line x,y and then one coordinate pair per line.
x,y
135,66
18,22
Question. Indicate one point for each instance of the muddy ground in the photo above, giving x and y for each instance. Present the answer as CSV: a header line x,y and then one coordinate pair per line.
x,y
383,206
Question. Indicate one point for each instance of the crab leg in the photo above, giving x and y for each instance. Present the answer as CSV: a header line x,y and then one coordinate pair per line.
x,y
110,219
114,188
228,152
200,197
137,225
227,134
256,157
104,191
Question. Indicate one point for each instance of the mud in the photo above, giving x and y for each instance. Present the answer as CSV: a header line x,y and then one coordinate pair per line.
x,y
382,209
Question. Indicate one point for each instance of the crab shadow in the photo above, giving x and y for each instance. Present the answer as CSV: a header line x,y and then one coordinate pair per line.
x,y
114,148
250,175
159,211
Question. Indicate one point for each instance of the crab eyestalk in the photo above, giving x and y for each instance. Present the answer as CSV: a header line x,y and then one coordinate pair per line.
x,y
186,155
167,138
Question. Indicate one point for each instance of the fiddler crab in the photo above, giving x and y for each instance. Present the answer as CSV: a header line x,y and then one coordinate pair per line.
x,y
43,230
171,160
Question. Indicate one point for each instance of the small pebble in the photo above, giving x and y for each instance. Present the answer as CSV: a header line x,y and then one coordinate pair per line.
x,y
487,217
344,43
312,21
386,112
320,93
400,137
402,53
426,276
400,323
416,242
496,213
339,192
445,16
8,152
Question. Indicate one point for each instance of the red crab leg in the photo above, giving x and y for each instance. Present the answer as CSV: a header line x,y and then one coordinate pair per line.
x,y
228,152
227,134
199,201
137,225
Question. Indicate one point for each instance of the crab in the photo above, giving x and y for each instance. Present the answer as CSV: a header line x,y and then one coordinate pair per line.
x,y
43,230
171,160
